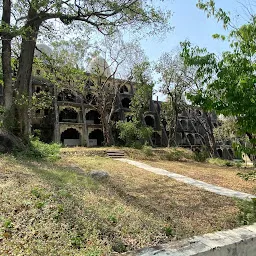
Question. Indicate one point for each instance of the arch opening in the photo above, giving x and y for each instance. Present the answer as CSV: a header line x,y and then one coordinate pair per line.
x,y
71,137
149,120
93,117
68,115
220,152
126,103
96,138
124,89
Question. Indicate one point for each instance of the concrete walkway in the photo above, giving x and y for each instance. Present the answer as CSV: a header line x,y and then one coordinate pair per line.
x,y
197,183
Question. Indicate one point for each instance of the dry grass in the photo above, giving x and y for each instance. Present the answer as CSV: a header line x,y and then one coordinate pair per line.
x,y
55,209
222,176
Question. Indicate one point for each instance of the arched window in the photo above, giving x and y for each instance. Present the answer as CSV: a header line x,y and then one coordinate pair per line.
x,y
220,153
71,137
93,117
126,103
96,136
149,120
68,115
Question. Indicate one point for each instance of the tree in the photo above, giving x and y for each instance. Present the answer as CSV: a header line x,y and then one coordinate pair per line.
x,y
140,103
31,17
229,82
118,62
175,80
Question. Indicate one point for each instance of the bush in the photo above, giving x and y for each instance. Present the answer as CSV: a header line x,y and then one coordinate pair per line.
x,y
247,213
201,156
133,134
147,150
40,150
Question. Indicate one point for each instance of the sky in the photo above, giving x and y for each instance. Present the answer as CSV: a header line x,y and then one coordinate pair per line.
x,y
192,24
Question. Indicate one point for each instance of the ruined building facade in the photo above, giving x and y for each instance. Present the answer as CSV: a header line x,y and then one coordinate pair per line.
x,y
73,122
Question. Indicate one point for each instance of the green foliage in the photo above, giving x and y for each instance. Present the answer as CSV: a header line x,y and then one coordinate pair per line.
x,y
228,84
144,88
169,231
40,150
201,156
247,213
8,224
248,176
132,134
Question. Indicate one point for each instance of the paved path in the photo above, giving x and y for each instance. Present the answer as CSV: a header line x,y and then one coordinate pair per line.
x,y
197,183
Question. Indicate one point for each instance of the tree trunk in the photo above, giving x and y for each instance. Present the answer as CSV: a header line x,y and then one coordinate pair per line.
x,y
6,63
23,82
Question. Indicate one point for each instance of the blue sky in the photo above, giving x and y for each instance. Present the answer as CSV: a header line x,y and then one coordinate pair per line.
x,y
191,23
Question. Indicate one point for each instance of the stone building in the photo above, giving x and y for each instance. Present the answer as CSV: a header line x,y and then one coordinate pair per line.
x,y
71,121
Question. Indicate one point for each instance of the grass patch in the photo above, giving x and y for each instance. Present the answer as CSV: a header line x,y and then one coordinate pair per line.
x,y
56,209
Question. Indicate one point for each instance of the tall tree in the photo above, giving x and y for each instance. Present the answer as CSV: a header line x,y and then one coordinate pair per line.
x,y
229,82
105,16
175,80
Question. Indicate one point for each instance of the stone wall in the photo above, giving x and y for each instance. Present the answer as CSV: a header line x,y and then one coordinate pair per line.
x,y
237,242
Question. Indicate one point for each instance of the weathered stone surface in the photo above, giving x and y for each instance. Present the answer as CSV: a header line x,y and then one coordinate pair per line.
x,y
98,174
236,242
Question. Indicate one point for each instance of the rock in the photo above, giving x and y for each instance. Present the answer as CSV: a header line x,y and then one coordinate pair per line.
x,y
98,174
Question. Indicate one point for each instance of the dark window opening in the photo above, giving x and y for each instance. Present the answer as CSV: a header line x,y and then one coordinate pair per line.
x,y
71,134
93,117
126,103
149,120
220,153
38,89
97,135
68,115
46,112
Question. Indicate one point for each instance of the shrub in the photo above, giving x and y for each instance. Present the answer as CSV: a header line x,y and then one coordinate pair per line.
x,y
201,156
132,133
40,150
147,150
247,214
